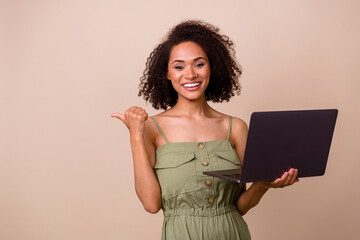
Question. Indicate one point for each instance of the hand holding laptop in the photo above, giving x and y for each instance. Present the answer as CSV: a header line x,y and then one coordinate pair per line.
x,y
287,179
251,197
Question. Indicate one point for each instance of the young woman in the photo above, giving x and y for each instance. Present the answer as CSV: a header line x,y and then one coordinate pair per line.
x,y
193,65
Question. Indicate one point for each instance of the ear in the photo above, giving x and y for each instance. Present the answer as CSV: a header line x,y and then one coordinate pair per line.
x,y
167,76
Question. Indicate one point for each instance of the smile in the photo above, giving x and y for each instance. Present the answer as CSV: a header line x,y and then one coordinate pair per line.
x,y
191,85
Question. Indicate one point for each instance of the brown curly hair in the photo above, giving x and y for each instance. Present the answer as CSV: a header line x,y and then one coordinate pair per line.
x,y
224,70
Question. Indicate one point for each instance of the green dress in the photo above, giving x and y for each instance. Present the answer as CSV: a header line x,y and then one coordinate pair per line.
x,y
197,206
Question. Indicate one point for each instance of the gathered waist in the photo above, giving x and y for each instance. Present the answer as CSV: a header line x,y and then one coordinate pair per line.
x,y
199,211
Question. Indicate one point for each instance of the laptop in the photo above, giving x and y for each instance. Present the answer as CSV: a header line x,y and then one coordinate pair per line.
x,y
280,140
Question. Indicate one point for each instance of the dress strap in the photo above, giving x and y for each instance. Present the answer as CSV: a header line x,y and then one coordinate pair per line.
x,y
162,133
229,129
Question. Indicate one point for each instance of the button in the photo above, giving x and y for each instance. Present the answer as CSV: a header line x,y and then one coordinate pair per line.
x,y
201,145
210,200
208,182
205,163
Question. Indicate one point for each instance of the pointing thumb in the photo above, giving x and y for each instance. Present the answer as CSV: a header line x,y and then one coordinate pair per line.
x,y
119,116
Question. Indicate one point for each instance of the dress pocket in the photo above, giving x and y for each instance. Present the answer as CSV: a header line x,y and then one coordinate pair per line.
x,y
176,173
227,159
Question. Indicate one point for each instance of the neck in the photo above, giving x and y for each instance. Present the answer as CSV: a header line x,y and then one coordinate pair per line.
x,y
192,109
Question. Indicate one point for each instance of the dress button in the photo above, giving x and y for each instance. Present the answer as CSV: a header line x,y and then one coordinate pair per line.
x,y
201,145
205,163
208,182
210,200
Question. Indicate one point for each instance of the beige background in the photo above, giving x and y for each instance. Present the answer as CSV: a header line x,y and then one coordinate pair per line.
x,y
65,166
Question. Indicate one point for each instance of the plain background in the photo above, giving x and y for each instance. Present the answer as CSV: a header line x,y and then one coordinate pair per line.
x,y
65,166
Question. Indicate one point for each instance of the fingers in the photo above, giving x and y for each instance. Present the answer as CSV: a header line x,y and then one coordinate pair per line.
x,y
133,112
119,116
134,118
287,179
136,113
294,178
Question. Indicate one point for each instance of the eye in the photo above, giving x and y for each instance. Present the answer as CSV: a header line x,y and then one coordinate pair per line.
x,y
179,67
199,65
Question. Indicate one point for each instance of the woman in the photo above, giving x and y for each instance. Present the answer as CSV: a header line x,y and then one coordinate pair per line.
x,y
193,65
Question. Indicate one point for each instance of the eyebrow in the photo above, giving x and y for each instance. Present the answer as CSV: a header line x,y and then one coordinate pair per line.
x,y
193,60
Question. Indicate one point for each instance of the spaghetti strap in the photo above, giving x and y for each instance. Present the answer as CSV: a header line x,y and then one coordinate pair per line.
x,y
229,129
162,133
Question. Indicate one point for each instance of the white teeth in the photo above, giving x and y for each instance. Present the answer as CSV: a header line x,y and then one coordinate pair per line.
x,y
191,84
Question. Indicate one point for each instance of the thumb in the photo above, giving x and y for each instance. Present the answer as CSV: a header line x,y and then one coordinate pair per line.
x,y
119,116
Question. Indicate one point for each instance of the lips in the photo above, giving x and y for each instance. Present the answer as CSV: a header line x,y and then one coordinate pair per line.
x,y
191,86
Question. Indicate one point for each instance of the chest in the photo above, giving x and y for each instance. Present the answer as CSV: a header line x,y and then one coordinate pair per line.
x,y
180,166
194,131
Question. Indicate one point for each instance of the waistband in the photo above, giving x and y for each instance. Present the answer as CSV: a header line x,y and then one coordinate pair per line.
x,y
199,211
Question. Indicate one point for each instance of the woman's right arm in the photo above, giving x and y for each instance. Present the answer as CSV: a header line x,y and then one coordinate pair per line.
x,y
143,151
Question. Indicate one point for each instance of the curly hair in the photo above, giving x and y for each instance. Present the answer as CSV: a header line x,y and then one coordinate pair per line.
x,y
224,70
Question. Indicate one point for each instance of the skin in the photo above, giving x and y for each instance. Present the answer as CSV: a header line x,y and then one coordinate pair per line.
x,y
188,64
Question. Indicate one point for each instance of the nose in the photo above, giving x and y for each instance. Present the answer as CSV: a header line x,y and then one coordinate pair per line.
x,y
190,73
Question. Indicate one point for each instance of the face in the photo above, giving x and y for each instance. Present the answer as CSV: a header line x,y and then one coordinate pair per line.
x,y
189,71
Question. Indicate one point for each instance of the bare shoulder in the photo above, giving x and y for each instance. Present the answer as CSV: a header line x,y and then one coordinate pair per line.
x,y
239,131
150,130
239,125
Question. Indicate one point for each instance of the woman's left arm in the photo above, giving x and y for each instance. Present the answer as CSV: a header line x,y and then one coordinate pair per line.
x,y
249,198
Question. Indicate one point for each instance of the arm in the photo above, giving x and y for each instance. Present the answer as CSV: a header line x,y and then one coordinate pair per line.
x,y
143,151
249,198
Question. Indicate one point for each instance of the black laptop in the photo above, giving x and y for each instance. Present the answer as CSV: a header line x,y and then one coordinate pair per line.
x,y
280,140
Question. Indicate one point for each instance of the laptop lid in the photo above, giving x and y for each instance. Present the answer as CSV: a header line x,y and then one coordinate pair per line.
x,y
280,140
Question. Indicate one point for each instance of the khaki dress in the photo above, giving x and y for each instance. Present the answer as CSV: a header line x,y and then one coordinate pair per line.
x,y
197,206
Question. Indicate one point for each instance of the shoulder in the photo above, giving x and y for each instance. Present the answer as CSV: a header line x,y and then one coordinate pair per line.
x,y
239,125
239,130
158,119
150,130
152,125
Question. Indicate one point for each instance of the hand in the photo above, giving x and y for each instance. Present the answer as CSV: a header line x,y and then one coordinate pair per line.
x,y
134,118
287,179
